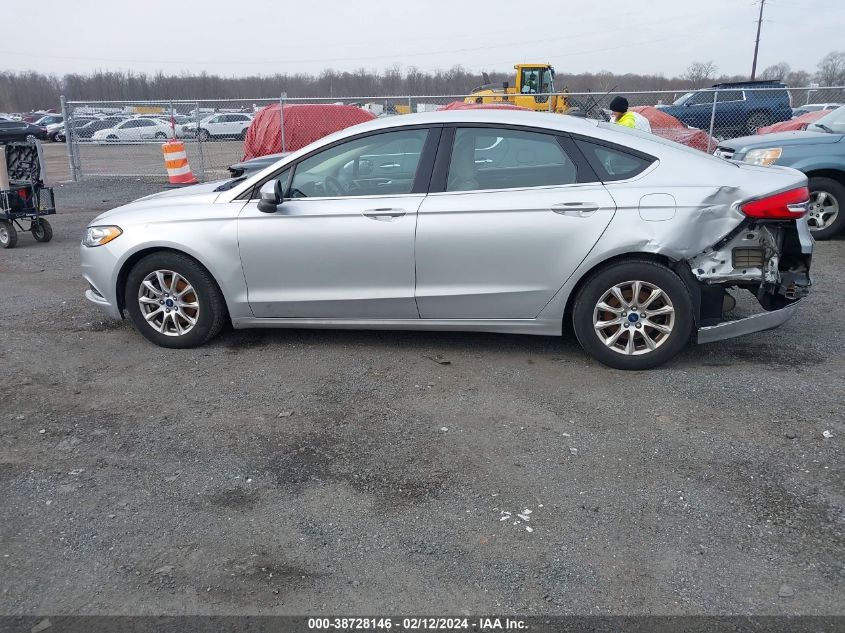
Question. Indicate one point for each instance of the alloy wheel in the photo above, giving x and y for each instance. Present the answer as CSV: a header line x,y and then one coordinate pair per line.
x,y
168,303
634,318
823,210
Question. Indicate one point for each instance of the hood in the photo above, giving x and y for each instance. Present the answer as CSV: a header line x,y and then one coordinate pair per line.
x,y
796,137
195,194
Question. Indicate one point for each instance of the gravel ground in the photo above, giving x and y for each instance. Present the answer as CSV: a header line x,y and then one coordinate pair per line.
x,y
369,472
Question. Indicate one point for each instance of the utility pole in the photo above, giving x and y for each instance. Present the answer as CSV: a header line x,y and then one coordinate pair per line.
x,y
757,43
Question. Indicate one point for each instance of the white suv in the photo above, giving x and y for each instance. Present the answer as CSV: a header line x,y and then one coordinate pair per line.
x,y
221,125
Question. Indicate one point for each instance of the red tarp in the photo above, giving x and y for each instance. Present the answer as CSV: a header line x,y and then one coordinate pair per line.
x,y
304,124
460,105
667,126
798,123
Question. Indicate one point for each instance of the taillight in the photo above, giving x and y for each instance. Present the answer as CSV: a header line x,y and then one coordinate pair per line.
x,y
786,205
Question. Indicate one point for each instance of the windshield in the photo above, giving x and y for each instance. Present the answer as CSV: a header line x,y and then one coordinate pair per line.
x,y
683,99
832,123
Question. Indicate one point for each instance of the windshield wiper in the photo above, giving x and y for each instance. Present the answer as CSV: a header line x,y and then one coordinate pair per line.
x,y
824,127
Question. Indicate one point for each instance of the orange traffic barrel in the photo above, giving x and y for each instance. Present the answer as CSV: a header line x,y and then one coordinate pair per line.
x,y
176,162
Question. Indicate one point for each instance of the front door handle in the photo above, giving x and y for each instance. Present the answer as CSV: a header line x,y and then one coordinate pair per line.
x,y
385,215
576,209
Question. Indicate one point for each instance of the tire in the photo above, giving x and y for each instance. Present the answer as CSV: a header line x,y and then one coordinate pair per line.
x,y
8,234
41,231
31,138
242,135
160,136
826,216
210,311
203,136
757,120
625,346
111,138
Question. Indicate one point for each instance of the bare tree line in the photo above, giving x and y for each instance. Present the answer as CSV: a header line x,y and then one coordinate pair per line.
x,y
29,90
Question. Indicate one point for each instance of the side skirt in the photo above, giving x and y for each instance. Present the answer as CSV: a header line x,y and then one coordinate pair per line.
x,y
501,326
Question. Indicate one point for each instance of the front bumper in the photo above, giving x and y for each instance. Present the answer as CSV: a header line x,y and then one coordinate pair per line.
x,y
99,267
741,327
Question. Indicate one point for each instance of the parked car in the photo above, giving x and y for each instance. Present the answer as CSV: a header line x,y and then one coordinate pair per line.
x,y
740,107
49,119
134,130
665,125
814,107
86,130
797,123
819,152
497,221
32,117
225,125
57,133
21,131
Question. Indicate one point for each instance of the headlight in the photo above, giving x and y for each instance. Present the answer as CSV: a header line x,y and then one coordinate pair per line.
x,y
99,235
763,156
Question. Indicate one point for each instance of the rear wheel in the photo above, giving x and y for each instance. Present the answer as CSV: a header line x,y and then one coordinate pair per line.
x,y
41,231
173,301
31,138
826,214
160,136
633,315
203,135
111,138
8,234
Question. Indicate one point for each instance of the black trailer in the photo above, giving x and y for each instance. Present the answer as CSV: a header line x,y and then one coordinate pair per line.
x,y
24,200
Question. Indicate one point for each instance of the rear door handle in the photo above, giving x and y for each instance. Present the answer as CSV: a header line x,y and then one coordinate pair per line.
x,y
575,209
385,215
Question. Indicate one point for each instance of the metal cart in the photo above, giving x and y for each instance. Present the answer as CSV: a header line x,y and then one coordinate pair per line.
x,y
26,201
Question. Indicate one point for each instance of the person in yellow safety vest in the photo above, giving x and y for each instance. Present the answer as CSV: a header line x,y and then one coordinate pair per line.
x,y
619,108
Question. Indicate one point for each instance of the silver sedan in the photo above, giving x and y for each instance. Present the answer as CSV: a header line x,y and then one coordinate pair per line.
x,y
496,221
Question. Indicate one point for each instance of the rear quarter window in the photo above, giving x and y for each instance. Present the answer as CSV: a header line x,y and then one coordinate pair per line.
x,y
614,163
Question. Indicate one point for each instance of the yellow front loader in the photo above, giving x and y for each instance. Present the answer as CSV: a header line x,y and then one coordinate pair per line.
x,y
532,88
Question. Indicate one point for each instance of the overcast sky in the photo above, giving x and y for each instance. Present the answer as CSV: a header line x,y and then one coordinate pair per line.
x,y
241,37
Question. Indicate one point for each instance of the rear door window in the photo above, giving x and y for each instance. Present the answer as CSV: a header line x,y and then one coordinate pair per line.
x,y
501,158
729,95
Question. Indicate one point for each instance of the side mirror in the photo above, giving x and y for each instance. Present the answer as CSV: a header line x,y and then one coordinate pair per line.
x,y
270,196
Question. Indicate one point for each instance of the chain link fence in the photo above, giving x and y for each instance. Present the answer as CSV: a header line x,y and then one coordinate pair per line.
x,y
123,139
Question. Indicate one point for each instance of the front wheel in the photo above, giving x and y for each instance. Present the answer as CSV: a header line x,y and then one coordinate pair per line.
x,y
173,301
160,136
825,215
203,135
633,315
31,138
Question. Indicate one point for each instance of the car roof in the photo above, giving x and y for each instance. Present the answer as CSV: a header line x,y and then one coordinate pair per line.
x,y
505,117
752,84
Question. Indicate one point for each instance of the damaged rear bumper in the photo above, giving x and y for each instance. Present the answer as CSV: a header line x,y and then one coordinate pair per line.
x,y
770,260
748,325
